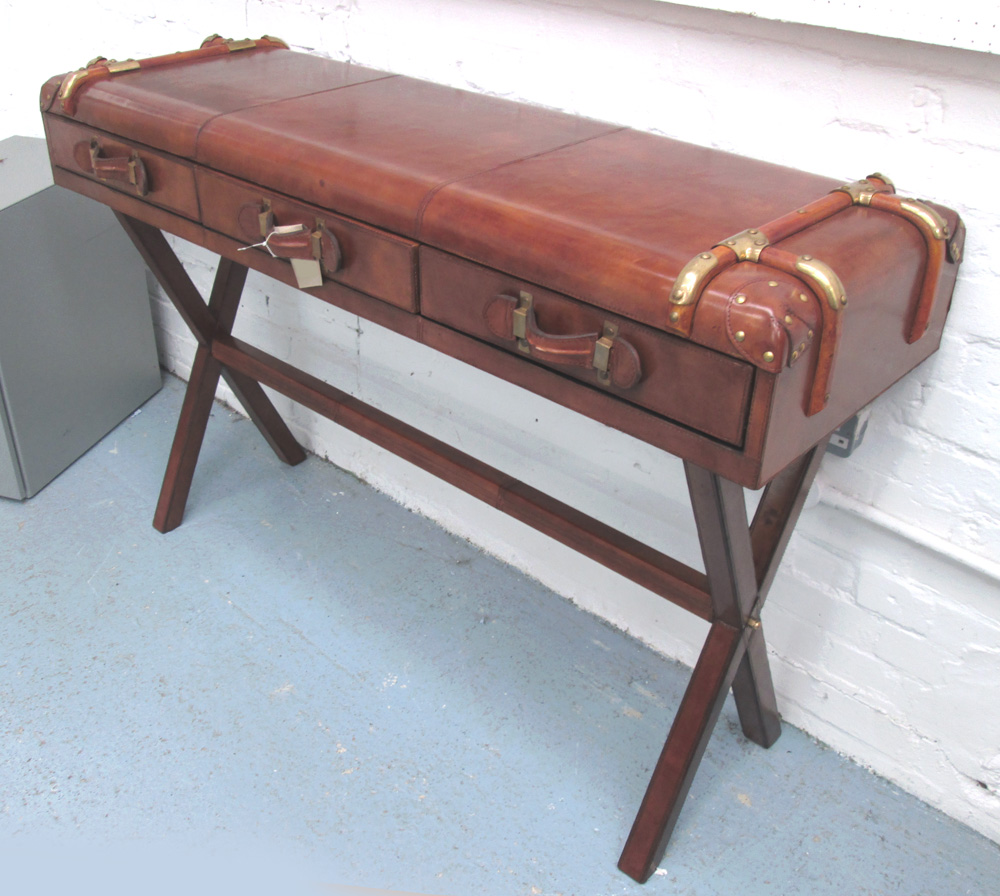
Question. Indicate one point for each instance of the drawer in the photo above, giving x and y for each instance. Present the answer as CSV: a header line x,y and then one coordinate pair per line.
x,y
131,168
691,385
366,259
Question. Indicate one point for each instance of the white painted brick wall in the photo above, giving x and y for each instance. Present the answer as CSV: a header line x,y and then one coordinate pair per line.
x,y
884,625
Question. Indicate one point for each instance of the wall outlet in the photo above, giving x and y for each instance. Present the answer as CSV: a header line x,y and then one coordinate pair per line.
x,y
849,434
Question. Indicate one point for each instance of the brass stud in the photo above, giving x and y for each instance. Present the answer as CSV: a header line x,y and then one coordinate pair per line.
x,y
795,356
802,347
772,282
807,258
788,319
769,357
810,334
706,256
678,293
675,316
803,297
739,335
740,300
753,623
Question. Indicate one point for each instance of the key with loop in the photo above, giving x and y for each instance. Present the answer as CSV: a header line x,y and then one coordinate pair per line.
x,y
281,230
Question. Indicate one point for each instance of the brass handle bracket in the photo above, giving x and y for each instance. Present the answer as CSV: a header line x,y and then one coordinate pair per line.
x,y
602,352
519,317
612,357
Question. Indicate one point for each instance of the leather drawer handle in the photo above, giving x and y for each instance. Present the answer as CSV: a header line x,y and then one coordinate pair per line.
x,y
313,251
615,360
255,220
124,169
291,241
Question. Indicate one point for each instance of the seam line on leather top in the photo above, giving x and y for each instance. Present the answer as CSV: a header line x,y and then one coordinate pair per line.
x,y
298,96
544,152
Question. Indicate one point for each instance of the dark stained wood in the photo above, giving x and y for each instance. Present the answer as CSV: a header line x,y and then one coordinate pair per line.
x,y
186,446
720,514
265,417
689,735
773,523
200,393
658,572
778,512
740,562
170,274
207,323
753,691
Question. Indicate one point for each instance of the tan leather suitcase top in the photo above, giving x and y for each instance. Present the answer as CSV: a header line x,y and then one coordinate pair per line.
x,y
847,286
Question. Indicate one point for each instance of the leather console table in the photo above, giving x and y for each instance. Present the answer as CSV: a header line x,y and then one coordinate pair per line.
x,y
728,311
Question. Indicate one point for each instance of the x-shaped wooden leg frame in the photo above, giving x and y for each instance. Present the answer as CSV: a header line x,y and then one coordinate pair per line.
x,y
207,323
740,560
740,563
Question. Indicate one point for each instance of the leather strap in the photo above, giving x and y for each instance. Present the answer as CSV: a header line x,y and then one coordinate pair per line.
x,y
624,369
297,240
124,169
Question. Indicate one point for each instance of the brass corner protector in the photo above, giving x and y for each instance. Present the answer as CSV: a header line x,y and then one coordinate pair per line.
x,y
71,83
691,279
823,277
932,221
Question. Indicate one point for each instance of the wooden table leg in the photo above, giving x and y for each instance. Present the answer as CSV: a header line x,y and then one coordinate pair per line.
x,y
207,323
188,437
689,735
740,562
773,523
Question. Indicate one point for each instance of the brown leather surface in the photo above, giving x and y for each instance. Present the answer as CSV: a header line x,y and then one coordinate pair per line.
x,y
380,150
561,206
373,261
771,319
167,107
600,213
613,220
694,386
169,181
624,369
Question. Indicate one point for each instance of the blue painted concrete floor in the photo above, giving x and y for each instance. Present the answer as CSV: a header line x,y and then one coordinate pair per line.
x,y
307,688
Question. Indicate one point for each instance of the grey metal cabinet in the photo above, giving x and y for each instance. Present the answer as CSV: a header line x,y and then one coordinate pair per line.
x,y
77,353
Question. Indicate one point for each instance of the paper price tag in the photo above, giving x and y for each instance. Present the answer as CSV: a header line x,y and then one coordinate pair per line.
x,y
307,272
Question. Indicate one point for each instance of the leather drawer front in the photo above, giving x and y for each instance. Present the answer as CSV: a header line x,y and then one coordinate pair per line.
x,y
372,261
699,388
169,181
